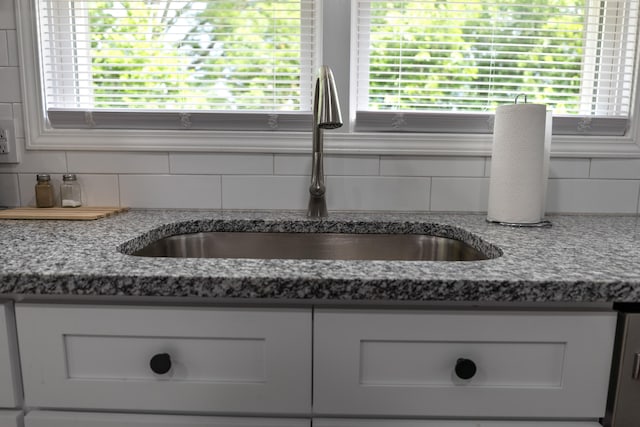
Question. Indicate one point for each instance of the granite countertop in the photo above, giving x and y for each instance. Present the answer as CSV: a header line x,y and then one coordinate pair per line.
x,y
581,259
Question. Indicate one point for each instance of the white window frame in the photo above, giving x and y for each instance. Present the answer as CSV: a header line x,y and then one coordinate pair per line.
x,y
336,47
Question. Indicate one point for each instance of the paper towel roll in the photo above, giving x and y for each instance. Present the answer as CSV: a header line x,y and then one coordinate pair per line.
x,y
519,164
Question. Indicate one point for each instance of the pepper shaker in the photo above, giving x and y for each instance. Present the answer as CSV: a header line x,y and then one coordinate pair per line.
x,y
44,191
70,191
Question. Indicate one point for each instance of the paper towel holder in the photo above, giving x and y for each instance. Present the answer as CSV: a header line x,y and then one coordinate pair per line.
x,y
542,223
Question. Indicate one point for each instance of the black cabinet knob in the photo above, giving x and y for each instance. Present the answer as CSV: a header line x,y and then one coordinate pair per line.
x,y
465,368
160,363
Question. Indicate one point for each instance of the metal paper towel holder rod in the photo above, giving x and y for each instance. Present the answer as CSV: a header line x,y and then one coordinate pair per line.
x,y
515,101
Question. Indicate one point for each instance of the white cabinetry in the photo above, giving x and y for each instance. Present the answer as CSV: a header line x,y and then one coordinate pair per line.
x,y
81,419
319,422
9,372
217,359
519,364
216,366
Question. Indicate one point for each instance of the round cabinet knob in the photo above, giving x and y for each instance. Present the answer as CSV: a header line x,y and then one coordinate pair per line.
x,y
160,363
465,368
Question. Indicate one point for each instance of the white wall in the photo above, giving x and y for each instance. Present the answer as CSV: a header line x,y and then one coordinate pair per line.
x,y
280,181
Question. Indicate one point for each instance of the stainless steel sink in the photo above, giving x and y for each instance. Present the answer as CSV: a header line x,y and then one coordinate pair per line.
x,y
328,246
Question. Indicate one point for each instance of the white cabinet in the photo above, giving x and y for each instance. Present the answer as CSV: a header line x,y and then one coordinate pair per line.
x,y
112,365
10,394
80,419
217,360
319,422
536,365
11,419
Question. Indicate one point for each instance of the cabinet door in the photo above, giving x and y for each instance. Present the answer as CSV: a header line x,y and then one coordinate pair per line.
x,y
462,364
10,391
206,359
80,419
319,422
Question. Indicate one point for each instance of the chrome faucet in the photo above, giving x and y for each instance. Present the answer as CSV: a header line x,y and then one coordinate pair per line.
x,y
326,115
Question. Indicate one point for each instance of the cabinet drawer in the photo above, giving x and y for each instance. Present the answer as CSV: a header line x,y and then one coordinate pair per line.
x,y
11,419
541,365
80,419
442,423
221,360
9,376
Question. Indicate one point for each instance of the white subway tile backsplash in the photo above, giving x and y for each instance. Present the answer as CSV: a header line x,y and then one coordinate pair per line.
x,y
18,121
12,47
170,191
561,168
351,165
459,194
10,84
615,168
292,164
99,190
265,192
592,196
4,49
136,163
36,161
569,168
392,193
431,166
6,111
339,165
378,193
9,190
221,164
7,15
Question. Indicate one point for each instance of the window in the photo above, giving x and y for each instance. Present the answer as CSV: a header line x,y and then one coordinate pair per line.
x,y
174,62
467,57
418,76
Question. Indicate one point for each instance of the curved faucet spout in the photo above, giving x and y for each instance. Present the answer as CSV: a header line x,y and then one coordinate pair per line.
x,y
326,115
326,104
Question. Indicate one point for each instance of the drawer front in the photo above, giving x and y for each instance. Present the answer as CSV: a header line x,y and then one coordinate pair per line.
x,y
218,360
9,370
319,422
79,419
11,419
463,364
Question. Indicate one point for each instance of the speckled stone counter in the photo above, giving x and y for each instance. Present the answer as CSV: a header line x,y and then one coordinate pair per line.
x,y
580,259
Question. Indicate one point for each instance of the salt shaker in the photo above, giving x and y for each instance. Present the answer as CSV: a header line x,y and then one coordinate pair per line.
x,y
44,191
70,191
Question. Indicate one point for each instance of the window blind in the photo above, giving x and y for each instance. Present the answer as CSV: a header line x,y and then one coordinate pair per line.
x,y
177,64
444,66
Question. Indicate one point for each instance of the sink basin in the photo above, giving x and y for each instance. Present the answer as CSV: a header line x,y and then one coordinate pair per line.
x,y
327,246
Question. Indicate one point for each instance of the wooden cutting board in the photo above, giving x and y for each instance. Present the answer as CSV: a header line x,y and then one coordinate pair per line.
x,y
78,214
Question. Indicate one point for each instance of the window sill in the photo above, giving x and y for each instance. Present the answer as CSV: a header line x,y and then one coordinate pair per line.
x,y
300,142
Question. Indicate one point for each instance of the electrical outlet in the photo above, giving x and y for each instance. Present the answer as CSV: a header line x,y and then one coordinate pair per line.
x,y
4,141
8,149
